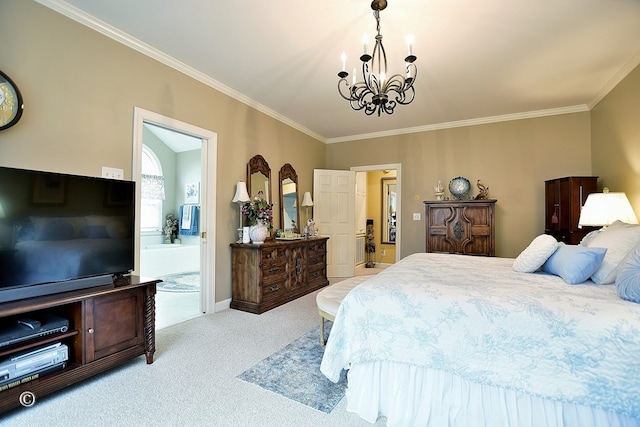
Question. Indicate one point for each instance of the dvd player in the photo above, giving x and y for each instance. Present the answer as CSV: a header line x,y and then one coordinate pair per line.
x,y
16,329
27,363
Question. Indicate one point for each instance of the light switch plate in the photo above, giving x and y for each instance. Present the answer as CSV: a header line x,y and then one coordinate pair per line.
x,y
416,216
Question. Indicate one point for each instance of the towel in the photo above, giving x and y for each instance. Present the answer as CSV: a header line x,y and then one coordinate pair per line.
x,y
189,219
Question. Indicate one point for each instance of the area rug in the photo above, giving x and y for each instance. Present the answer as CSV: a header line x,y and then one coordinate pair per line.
x,y
294,372
180,282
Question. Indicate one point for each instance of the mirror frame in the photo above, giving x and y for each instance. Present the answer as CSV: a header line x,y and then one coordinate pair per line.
x,y
385,199
287,171
257,164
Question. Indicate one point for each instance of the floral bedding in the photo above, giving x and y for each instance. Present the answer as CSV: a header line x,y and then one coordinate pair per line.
x,y
478,318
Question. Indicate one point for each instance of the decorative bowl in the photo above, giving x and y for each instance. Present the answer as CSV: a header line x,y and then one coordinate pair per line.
x,y
459,187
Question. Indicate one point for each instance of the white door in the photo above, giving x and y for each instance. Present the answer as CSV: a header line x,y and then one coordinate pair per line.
x,y
334,195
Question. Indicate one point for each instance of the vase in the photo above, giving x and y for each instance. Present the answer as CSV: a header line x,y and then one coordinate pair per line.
x,y
258,233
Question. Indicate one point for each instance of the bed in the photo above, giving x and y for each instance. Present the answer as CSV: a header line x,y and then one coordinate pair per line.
x,y
453,340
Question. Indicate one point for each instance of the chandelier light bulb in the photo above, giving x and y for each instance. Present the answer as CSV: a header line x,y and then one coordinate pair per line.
x,y
410,44
365,42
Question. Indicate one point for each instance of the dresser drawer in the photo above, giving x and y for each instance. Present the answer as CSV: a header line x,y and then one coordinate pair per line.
x,y
274,257
316,259
316,274
274,289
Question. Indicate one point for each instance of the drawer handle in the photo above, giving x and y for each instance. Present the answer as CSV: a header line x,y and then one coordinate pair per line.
x,y
274,288
314,275
274,270
90,330
315,260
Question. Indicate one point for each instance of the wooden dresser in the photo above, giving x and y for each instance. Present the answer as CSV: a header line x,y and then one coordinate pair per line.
x,y
461,227
276,272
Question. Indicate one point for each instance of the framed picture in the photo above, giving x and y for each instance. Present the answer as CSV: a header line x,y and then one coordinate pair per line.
x,y
48,189
192,193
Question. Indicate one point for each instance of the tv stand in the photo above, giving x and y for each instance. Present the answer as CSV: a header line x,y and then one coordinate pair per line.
x,y
107,327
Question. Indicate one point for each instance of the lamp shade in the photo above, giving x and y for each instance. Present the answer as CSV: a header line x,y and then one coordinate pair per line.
x,y
306,199
603,209
242,195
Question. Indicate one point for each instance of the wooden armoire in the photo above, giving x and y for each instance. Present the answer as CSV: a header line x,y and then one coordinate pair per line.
x,y
564,198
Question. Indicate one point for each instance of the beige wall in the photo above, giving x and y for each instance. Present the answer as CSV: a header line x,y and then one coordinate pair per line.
x,y
512,158
80,89
615,127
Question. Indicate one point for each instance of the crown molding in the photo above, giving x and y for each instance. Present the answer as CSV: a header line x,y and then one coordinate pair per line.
x,y
463,123
616,79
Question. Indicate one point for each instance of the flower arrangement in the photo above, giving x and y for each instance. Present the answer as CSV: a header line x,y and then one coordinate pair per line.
x,y
258,210
171,227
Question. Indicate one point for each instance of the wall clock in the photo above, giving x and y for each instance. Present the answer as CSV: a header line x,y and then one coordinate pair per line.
x,y
10,102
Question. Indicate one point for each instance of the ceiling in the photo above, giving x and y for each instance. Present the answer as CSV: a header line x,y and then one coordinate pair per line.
x,y
478,62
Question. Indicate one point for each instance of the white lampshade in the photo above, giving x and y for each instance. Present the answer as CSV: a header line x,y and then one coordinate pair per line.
x,y
306,199
242,195
603,209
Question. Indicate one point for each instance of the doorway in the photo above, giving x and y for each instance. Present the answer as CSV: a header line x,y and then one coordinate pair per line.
x,y
340,212
177,250
372,202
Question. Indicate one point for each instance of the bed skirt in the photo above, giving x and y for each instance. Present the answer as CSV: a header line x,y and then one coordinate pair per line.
x,y
416,396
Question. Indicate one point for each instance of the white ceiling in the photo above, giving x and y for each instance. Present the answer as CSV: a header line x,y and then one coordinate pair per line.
x,y
178,142
478,61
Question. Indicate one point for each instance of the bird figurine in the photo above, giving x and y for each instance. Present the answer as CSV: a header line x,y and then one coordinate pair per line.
x,y
484,191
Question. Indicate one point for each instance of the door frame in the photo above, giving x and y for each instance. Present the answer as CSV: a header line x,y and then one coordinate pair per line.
x,y
207,195
398,169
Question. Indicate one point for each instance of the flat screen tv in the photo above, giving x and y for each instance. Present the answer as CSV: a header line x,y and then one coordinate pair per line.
x,y
61,232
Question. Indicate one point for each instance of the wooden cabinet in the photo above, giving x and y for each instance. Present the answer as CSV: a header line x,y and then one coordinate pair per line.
x,y
107,327
275,272
564,198
460,227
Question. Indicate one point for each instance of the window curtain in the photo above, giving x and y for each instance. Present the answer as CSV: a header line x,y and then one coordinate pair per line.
x,y
152,187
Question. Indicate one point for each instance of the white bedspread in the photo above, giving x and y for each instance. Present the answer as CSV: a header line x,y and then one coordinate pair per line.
x,y
477,318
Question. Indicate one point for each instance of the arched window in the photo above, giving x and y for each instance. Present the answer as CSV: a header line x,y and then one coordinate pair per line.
x,y
152,190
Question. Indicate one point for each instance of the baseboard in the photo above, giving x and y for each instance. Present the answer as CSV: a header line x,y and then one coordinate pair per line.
x,y
222,305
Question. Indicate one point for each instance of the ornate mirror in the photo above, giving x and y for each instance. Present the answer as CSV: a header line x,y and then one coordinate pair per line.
x,y
289,201
389,210
259,177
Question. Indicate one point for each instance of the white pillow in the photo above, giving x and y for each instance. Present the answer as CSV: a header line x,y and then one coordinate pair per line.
x,y
538,251
589,237
619,239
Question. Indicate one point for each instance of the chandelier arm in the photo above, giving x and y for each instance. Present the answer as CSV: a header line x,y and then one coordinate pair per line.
x,y
343,83
412,91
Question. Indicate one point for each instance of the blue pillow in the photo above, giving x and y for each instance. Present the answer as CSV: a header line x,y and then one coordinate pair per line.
x,y
628,279
574,263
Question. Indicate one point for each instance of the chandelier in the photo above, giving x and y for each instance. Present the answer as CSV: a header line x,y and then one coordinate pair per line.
x,y
377,92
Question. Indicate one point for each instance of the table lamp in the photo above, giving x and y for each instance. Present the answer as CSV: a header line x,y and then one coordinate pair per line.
x,y
603,209
240,197
307,203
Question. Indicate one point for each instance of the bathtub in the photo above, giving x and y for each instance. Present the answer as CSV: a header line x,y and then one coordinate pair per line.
x,y
161,259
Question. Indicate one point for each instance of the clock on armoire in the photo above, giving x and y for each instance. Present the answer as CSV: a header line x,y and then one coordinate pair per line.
x,y
564,198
